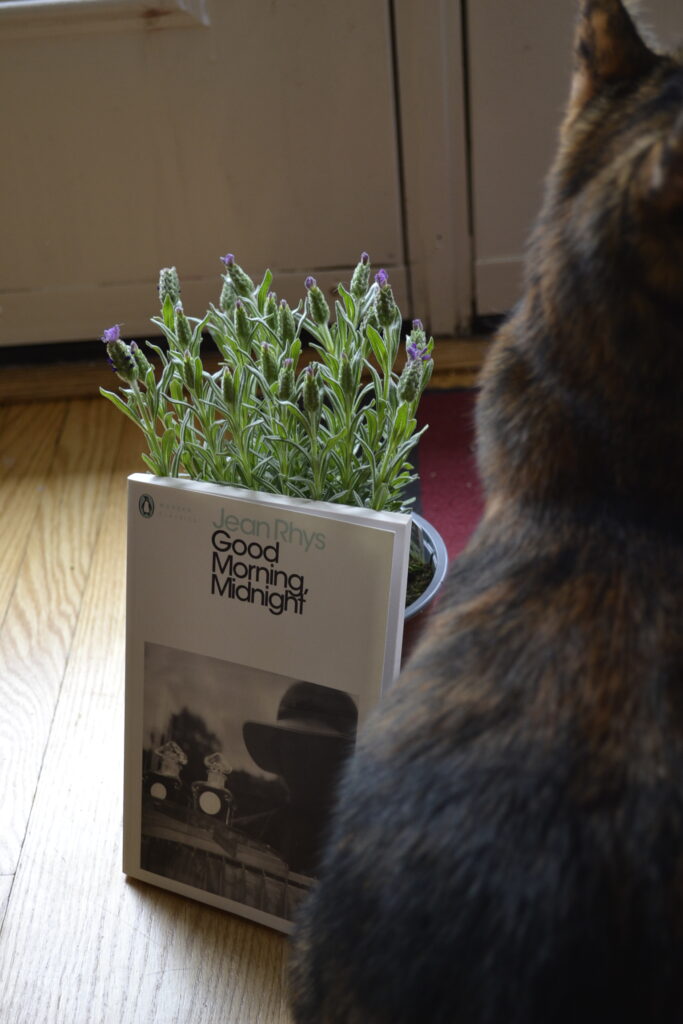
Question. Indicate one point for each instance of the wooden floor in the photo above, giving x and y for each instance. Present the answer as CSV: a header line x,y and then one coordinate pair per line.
x,y
79,944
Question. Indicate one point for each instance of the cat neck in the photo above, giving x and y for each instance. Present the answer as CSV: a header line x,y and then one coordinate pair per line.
x,y
585,411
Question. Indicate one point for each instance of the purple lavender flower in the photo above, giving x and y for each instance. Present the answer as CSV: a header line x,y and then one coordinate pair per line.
x,y
140,359
182,327
122,358
228,386
311,390
112,333
169,285
416,351
227,299
269,366
286,391
270,311
286,324
317,303
410,381
242,325
360,277
242,283
385,304
347,377
417,325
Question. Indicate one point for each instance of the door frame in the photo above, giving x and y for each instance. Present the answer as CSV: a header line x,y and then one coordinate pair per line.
x,y
430,66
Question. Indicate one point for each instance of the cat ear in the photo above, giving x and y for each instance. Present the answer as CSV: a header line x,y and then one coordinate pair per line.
x,y
608,49
666,171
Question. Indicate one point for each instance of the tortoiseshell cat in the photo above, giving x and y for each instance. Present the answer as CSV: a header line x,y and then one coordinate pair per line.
x,y
508,846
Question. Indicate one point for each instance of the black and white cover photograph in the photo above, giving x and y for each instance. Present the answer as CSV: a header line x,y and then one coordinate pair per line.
x,y
238,774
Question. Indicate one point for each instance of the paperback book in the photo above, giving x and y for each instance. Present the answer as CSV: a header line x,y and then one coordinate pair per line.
x,y
261,631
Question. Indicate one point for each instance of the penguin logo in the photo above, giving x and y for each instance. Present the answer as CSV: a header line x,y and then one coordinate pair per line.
x,y
146,506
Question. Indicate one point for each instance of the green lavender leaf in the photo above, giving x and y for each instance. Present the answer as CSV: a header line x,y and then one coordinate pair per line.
x,y
168,312
121,406
167,445
378,346
349,303
400,420
152,464
263,290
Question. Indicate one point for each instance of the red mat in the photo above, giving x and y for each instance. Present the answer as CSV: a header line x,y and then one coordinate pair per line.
x,y
450,495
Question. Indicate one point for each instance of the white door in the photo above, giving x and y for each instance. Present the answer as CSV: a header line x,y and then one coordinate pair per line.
x,y
520,54
138,135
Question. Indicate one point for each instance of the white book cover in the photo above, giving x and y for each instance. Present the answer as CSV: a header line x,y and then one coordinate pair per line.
x,y
261,631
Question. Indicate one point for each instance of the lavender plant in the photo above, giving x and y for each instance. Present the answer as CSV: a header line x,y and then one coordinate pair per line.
x,y
340,428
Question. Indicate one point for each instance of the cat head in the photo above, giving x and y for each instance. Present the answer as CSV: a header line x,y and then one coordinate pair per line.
x,y
581,396
615,195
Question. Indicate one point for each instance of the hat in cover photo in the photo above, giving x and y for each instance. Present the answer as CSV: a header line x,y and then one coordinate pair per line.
x,y
314,732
